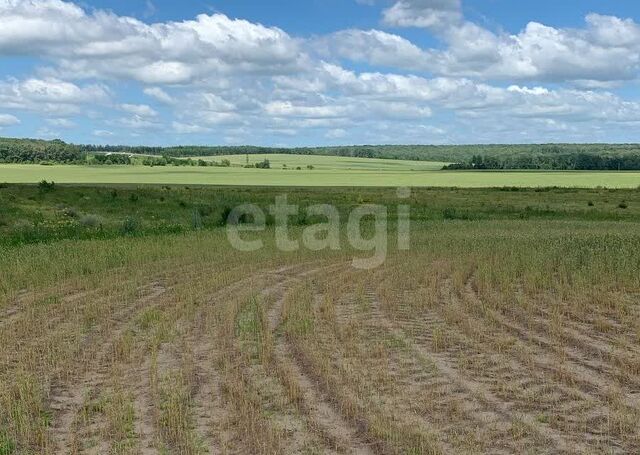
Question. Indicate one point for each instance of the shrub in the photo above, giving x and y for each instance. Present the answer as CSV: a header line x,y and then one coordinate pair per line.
x,y
263,165
590,204
129,226
133,197
46,187
449,213
623,205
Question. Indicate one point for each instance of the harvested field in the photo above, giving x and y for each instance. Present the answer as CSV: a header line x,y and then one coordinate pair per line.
x,y
466,344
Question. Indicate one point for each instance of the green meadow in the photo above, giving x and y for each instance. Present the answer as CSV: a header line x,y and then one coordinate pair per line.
x,y
327,171
321,162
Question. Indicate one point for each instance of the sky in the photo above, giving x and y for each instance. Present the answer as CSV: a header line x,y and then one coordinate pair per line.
x,y
320,72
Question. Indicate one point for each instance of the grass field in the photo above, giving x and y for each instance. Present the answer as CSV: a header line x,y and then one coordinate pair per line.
x,y
494,333
278,161
367,174
30,214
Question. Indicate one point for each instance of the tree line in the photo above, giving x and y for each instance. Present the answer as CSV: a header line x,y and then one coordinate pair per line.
x,y
562,161
497,156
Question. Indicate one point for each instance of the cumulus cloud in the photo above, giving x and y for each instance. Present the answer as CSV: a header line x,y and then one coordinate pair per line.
x,y
8,120
244,81
435,14
50,95
606,49
375,47
102,44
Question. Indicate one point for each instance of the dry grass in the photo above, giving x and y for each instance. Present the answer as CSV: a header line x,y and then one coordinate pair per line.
x,y
515,338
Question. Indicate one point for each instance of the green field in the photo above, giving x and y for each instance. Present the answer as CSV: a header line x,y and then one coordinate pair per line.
x,y
342,163
367,173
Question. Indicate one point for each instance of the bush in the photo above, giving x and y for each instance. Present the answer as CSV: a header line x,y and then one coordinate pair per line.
x,y
590,204
129,226
133,197
623,205
46,187
263,165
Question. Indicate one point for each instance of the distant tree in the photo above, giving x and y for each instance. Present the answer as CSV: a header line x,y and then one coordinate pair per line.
x,y
263,164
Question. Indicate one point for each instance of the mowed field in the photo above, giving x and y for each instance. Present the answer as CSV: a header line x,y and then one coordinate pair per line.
x,y
330,171
496,334
280,160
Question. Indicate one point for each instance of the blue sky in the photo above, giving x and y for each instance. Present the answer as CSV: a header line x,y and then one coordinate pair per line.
x,y
320,72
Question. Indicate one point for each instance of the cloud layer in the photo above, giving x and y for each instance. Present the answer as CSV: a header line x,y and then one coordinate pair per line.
x,y
220,79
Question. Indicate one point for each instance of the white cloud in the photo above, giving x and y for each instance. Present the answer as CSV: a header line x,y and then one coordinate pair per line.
x,y
61,122
375,47
289,109
140,110
136,122
102,44
606,49
8,120
159,95
50,95
423,13
231,78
